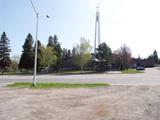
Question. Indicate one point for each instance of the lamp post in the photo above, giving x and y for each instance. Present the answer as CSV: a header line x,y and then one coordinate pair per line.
x,y
35,57
36,43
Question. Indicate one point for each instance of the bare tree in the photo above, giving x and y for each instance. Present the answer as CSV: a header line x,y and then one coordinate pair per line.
x,y
116,59
125,56
122,57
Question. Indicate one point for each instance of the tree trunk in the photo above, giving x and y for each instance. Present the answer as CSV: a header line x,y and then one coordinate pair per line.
x,y
81,68
2,71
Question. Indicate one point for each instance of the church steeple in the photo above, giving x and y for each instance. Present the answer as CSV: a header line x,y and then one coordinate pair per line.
x,y
97,41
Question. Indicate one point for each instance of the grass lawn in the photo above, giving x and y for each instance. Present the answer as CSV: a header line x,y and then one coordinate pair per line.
x,y
16,73
54,73
75,72
131,71
8,73
57,85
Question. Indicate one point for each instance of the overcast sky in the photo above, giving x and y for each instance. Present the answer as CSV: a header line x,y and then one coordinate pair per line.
x,y
135,23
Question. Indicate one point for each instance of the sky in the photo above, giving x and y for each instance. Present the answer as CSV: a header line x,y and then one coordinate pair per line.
x,y
135,23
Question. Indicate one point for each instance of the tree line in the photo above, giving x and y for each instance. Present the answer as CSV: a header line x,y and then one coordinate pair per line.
x,y
54,58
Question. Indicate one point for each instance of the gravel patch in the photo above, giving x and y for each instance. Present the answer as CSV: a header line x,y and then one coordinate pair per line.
x,y
110,103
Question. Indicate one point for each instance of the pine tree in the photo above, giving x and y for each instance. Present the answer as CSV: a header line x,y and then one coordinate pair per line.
x,y
53,42
57,46
73,51
27,57
58,49
5,50
104,57
69,54
39,54
64,53
155,57
50,41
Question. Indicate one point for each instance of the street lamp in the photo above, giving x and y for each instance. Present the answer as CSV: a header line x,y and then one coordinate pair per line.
x,y
36,44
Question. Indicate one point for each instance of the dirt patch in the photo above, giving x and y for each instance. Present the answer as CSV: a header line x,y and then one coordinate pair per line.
x,y
111,103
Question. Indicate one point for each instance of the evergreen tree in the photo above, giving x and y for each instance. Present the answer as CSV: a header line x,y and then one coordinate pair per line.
x,y
27,57
39,52
53,42
103,57
73,51
58,49
57,46
64,53
69,54
50,41
67,61
155,57
5,50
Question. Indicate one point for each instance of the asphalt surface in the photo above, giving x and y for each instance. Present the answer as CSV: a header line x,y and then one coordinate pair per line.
x,y
151,76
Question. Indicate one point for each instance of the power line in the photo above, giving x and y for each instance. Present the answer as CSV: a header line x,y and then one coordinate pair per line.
x,y
33,7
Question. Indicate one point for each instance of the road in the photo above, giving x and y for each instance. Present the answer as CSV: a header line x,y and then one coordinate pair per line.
x,y
150,77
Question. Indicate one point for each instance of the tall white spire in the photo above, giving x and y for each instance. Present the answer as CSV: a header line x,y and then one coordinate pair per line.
x,y
97,41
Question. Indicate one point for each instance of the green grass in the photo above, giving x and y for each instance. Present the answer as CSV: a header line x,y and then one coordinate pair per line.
x,y
131,71
15,73
57,85
8,73
75,72
54,73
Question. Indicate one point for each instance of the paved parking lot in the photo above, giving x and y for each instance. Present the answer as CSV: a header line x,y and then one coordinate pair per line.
x,y
125,100
149,77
